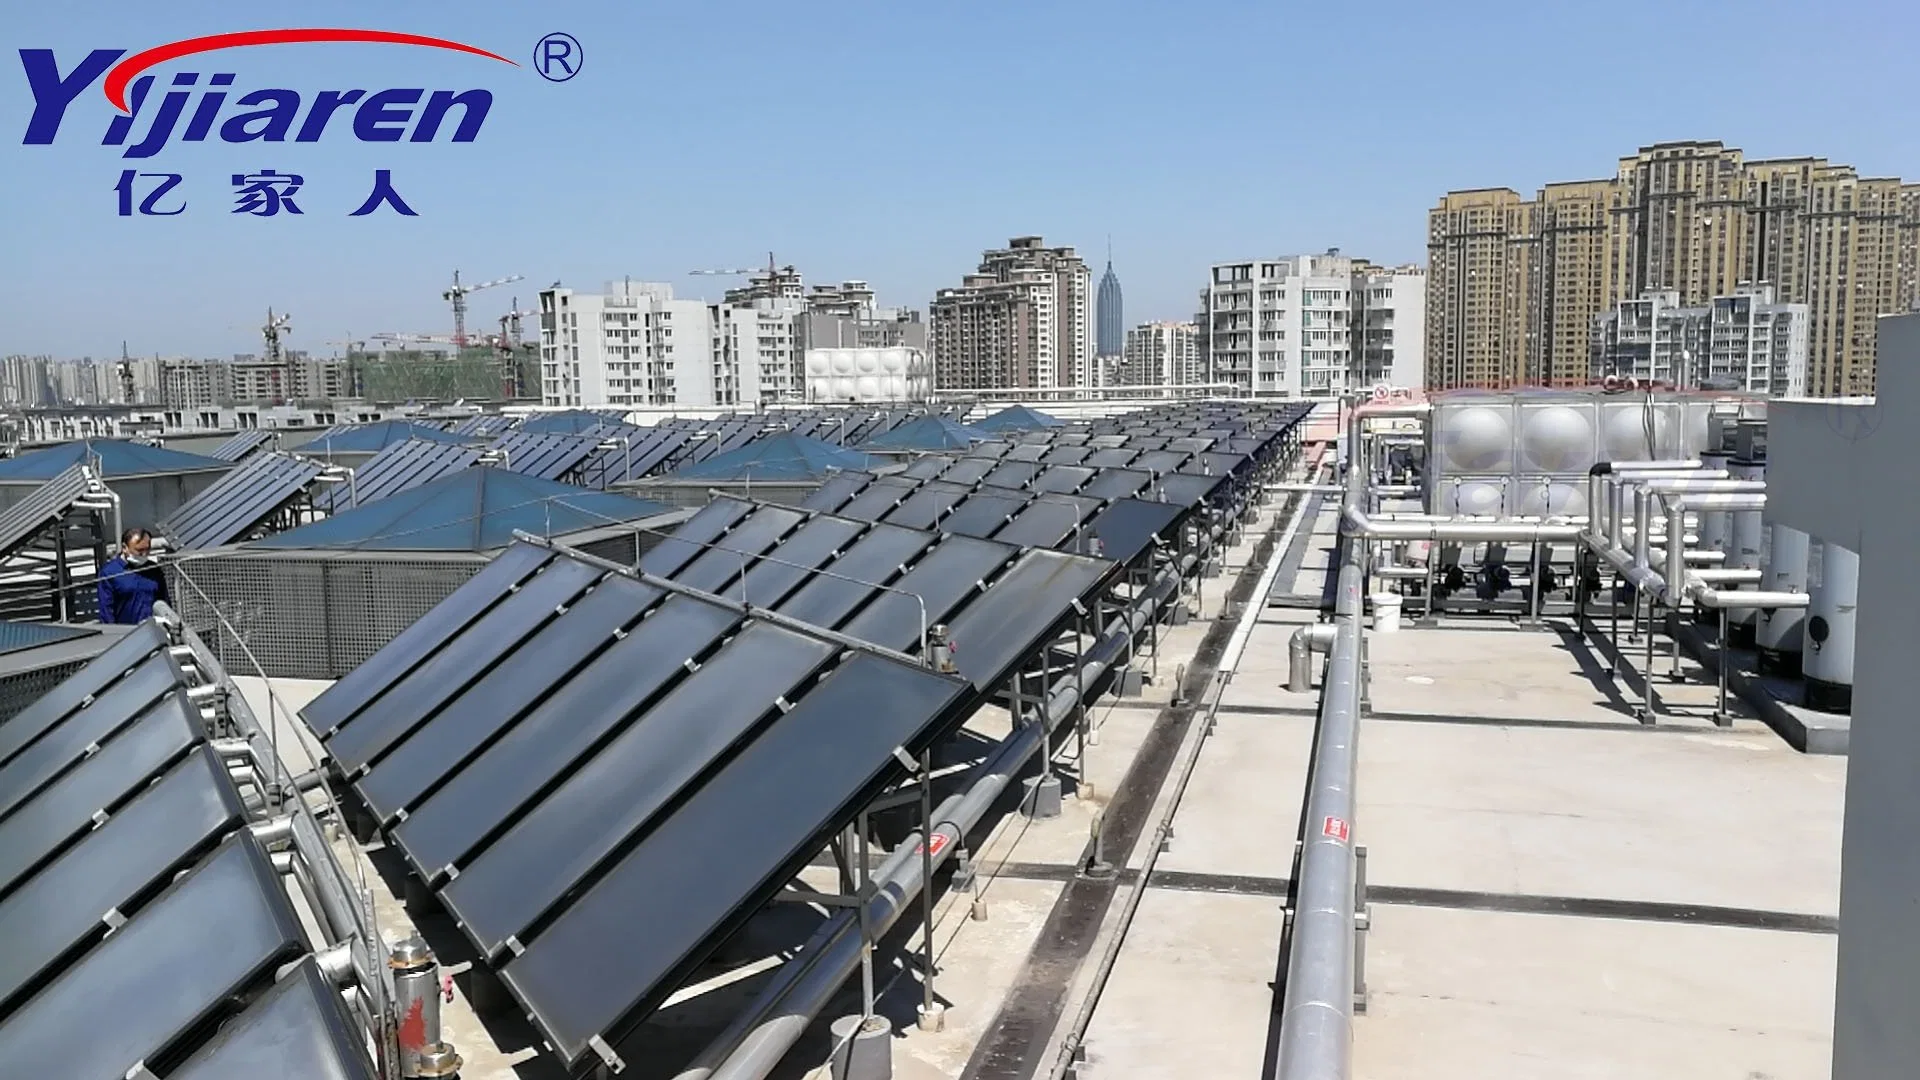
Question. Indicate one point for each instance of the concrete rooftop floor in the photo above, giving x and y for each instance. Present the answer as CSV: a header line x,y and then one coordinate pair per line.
x,y
1557,890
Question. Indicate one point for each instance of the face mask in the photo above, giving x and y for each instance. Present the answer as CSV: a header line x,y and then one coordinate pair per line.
x,y
137,560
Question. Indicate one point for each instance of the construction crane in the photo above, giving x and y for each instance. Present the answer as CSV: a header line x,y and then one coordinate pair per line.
x,y
769,269
272,330
353,347
509,340
411,339
457,295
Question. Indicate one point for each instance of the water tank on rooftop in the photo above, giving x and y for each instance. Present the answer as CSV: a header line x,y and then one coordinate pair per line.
x,y
1744,538
1473,438
1636,430
1828,659
1556,438
1778,634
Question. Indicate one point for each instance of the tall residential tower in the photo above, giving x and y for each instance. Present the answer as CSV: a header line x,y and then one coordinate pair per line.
x,y
1022,320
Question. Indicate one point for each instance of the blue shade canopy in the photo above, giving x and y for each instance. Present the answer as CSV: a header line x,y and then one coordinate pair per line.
x,y
370,438
476,509
1017,418
782,456
926,433
114,458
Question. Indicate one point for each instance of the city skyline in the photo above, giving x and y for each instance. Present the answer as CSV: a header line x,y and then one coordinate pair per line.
x,y
900,213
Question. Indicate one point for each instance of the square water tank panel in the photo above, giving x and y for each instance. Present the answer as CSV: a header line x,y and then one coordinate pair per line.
x,y
1556,437
1543,496
1472,496
1639,430
1474,436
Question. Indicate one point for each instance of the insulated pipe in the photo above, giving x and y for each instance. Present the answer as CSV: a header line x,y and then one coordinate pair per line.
x,y
1317,637
1316,1015
1359,524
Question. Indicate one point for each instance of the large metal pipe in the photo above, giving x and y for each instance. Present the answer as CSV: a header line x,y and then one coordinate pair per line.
x,y
1316,1015
1309,639
1360,524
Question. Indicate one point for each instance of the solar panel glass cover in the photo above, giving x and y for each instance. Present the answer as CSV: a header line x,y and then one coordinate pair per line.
x,y
784,568
834,494
983,513
1067,455
63,812
1019,609
1012,474
927,505
1116,484
1049,522
551,847
1115,458
732,553
390,717
990,449
1062,479
1027,452
507,689
574,714
344,698
692,537
879,497
1189,489
1160,461
609,959
874,558
80,735
969,470
222,928
926,468
297,1024
133,851
100,672
1128,527
954,570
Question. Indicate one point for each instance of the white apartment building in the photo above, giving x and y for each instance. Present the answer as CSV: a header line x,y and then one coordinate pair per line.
x,y
1161,354
1743,341
1312,325
636,345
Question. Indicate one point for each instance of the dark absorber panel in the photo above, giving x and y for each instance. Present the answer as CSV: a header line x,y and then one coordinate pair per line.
x,y
873,559
524,678
878,498
834,494
969,470
1110,458
56,704
216,932
733,553
784,568
294,1030
953,571
1128,527
1020,611
692,537
391,716
983,513
553,846
1026,452
1067,455
611,957
1116,484
926,467
1012,474
77,737
160,831
1187,489
1062,479
361,685
63,812
928,505
492,789
1050,522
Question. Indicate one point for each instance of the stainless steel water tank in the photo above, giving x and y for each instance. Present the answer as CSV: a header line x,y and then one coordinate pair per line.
x,y
1828,660
1783,568
1744,536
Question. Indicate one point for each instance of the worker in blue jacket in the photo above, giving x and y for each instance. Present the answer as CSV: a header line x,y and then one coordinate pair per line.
x,y
131,581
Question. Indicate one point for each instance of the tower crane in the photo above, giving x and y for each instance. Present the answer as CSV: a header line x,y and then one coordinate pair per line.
x,y
126,375
509,340
769,269
456,294
354,347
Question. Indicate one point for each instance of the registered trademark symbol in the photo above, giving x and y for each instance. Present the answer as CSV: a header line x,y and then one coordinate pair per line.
x,y
557,58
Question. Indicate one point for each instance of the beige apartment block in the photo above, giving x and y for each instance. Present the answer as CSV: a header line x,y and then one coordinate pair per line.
x,y
1515,285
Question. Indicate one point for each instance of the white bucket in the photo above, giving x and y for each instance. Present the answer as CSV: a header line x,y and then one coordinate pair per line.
x,y
1386,612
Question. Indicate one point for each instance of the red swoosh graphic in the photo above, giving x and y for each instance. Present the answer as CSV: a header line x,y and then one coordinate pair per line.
x,y
127,70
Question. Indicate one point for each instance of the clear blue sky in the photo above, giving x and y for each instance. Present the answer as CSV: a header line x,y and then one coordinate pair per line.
x,y
891,142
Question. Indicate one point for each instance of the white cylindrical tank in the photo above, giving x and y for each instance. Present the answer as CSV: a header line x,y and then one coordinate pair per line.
x,y
1714,529
1744,537
1783,568
1828,661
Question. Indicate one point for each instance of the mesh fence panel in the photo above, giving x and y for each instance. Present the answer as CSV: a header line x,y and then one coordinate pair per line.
x,y
309,616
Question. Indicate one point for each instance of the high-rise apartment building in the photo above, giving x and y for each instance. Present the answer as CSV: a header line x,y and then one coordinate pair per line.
x,y
1311,325
1110,336
1742,341
1022,320
1162,354
1517,284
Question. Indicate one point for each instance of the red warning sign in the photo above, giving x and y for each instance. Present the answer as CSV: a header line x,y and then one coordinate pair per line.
x,y
939,845
1336,828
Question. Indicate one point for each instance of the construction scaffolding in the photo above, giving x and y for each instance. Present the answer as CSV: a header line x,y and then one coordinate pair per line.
x,y
472,373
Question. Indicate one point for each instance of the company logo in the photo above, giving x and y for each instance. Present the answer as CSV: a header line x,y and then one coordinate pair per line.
x,y
204,106
264,115
1853,421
